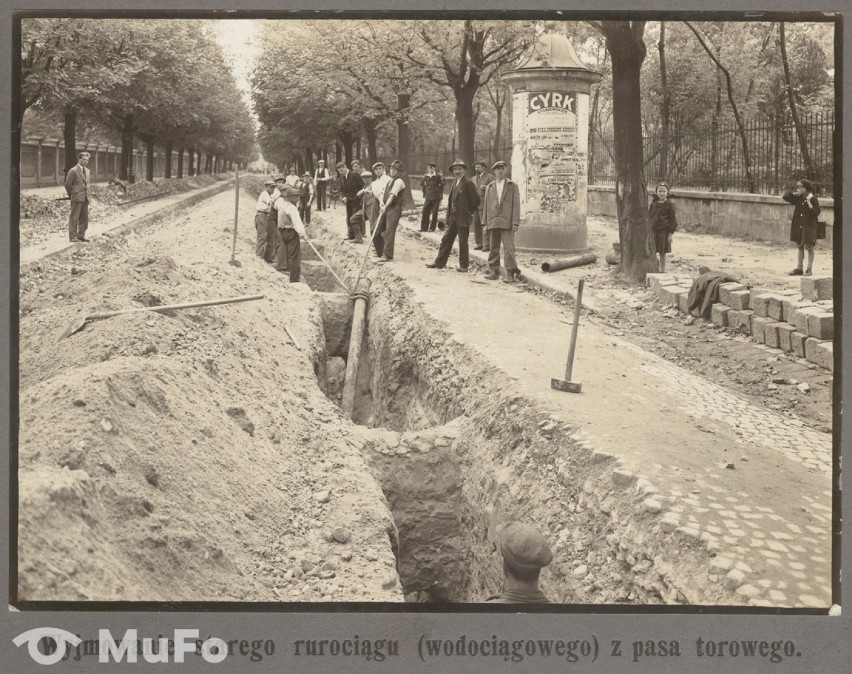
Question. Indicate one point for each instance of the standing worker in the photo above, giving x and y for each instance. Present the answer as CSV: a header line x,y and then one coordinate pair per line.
x,y
350,185
290,229
433,192
501,217
390,213
77,186
264,201
461,205
368,203
803,227
525,553
321,180
306,197
482,178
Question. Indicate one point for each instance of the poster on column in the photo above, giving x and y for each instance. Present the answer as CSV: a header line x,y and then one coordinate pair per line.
x,y
554,159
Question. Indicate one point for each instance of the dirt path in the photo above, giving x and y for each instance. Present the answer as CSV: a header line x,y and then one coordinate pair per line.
x,y
725,467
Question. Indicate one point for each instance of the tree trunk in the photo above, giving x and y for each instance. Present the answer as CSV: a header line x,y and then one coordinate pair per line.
x,y
369,125
180,163
167,171
125,168
149,157
309,160
358,146
788,86
69,135
466,124
190,169
346,140
664,113
403,139
637,246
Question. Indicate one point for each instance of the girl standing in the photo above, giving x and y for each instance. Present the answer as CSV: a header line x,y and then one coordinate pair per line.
x,y
803,228
663,220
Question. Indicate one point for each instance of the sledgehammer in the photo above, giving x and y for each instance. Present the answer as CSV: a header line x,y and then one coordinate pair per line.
x,y
566,384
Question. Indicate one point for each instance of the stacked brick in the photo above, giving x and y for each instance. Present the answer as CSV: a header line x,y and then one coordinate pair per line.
x,y
800,322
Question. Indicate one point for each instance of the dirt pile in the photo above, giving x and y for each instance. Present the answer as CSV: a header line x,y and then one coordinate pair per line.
x,y
187,455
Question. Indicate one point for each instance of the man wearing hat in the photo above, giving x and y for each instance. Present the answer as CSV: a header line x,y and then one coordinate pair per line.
x,y
290,229
481,178
350,184
321,180
378,186
525,553
264,201
501,216
306,197
461,206
359,219
390,213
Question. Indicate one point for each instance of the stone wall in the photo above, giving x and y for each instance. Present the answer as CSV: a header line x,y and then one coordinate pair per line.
x,y
757,216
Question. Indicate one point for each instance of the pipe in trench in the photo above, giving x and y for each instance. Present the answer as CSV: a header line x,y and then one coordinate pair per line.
x,y
568,262
359,322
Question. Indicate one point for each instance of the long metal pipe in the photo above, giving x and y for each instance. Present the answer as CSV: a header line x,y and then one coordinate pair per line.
x,y
356,338
568,262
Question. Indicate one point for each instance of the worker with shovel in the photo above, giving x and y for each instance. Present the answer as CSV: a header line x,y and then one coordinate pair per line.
x,y
291,229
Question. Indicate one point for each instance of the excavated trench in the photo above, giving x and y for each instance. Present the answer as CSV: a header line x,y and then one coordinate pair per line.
x,y
457,451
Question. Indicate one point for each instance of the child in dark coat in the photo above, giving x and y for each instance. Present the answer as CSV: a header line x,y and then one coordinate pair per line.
x,y
803,227
663,219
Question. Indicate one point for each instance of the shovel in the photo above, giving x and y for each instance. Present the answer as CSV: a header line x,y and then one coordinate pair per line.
x,y
566,384
234,261
79,322
310,243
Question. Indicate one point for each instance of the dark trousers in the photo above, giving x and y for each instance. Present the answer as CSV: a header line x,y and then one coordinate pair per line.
x,y
386,231
479,236
321,202
506,237
289,254
305,211
449,239
273,238
78,220
353,205
429,219
262,235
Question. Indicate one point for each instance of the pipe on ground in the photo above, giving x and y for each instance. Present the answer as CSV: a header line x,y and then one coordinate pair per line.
x,y
568,262
356,337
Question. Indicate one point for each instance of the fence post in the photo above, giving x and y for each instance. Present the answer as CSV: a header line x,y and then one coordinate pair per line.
x,y
714,155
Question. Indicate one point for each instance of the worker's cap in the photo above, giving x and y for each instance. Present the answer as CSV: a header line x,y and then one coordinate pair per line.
x,y
320,161
269,183
280,179
340,165
523,548
378,164
458,162
306,174
366,174
396,164
290,192
480,163
498,164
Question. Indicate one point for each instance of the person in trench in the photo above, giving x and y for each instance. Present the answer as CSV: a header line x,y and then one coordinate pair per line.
x,y
291,229
525,553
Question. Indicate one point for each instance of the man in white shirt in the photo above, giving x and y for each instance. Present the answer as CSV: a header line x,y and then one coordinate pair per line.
x,y
321,179
290,228
264,245
501,216
377,189
390,213
292,180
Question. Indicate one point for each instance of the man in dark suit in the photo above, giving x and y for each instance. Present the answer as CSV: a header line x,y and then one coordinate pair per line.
x,y
77,186
351,183
482,177
462,203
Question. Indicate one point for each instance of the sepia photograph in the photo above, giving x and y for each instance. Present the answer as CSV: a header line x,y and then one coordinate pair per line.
x,y
410,311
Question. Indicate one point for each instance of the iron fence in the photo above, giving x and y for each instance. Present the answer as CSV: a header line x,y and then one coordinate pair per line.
x,y
713,159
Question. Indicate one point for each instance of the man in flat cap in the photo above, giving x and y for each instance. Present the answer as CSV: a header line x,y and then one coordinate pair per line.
x,y
290,229
462,203
264,201
501,216
482,177
321,180
525,553
390,213
351,184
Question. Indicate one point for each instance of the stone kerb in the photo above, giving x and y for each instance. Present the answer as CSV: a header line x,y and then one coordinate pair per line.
x,y
796,322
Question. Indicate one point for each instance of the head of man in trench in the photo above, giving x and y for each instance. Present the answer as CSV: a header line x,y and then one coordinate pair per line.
x,y
525,553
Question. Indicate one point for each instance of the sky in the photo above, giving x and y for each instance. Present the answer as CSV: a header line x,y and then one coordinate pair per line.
x,y
239,41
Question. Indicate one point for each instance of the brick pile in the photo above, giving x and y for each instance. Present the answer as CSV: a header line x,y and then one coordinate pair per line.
x,y
800,322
